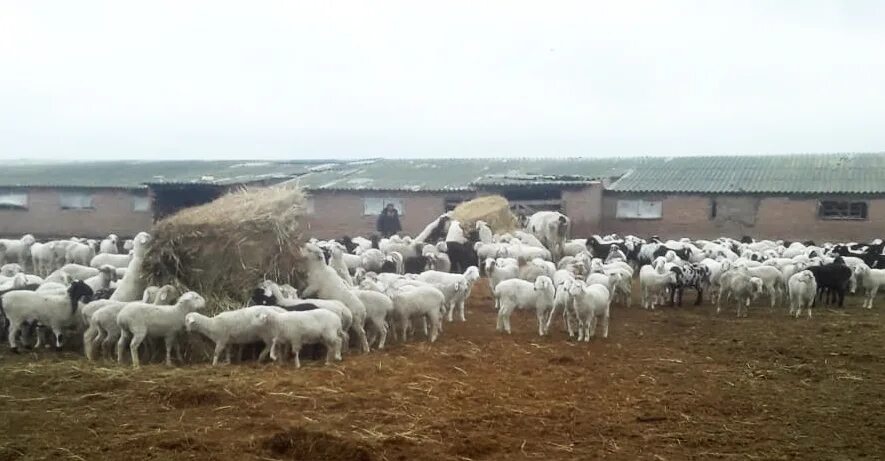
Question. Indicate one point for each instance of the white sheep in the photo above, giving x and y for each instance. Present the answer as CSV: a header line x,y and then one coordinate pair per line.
x,y
79,253
652,285
138,320
299,328
106,275
131,286
79,271
101,318
485,232
289,301
109,245
871,279
740,285
336,262
233,327
519,294
54,311
16,251
803,289
113,259
372,259
501,269
590,302
772,281
379,307
456,287
42,259
325,283
562,300
439,261
425,302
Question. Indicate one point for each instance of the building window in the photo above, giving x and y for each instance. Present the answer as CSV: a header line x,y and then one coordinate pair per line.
x,y
11,200
374,205
638,209
141,203
713,208
75,201
842,209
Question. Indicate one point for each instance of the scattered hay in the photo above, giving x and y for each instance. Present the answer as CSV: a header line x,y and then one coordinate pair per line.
x,y
493,209
304,445
224,248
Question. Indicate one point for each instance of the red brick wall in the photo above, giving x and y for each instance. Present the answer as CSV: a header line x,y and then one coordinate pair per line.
x,y
791,218
584,208
44,217
341,213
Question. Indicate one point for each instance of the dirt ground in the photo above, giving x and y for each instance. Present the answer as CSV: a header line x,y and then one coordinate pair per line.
x,y
671,384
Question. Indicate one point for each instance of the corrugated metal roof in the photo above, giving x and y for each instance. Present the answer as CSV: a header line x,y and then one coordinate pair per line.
x,y
459,174
803,173
134,174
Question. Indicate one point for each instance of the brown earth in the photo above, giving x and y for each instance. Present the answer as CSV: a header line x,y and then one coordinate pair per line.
x,y
670,384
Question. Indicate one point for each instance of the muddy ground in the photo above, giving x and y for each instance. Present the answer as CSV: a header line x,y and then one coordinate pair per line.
x,y
670,384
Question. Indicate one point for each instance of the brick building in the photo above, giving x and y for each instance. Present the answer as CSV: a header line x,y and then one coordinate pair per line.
x,y
827,196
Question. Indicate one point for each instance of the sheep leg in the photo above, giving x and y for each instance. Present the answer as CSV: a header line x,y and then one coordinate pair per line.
x,y
137,338
13,333
91,334
540,315
219,348
461,304
605,319
107,345
273,350
591,328
296,352
435,322
450,312
170,343
264,353
873,291
121,345
382,335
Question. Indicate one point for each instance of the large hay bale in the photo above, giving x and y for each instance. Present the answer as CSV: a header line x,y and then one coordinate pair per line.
x,y
493,209
224,248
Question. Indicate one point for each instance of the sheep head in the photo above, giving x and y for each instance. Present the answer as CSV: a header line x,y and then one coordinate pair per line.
x,y
192,301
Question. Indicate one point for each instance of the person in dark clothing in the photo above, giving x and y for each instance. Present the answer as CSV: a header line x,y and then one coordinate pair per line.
x,y
388,221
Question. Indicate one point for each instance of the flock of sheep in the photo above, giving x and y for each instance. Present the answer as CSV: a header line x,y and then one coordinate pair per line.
x,y
366,289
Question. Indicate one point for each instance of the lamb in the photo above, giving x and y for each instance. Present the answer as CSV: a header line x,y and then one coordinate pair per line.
x,y
772,280
743,287
99,314
55,311
271,289
652,284
325,283
336,261
871,279
372,260
456,287
131,287
378,308
16,251
79,272
79,253
9,270
115,260
519,294
42,259
500,270
138,320
438,261
300,328
803,289
233,327
422,301
109,245
103,279
590,303
562,300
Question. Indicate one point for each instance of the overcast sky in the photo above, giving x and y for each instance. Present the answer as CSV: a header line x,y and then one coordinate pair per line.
x,y
260,79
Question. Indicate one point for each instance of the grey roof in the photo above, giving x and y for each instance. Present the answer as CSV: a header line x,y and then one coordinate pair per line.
x,y
801,173
134,174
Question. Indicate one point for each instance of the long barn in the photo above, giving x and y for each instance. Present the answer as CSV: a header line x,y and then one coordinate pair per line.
x,y
817,196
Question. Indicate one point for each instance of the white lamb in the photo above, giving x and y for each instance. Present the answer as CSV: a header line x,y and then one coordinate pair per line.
x,y
422,302
109,245
233,327
138,320
286,302
325,283
518,294
871,279
79,253
456,288
54,311
106,275
803,289
379,307
336,262
299,328
652,285
111,259
131,287
590,302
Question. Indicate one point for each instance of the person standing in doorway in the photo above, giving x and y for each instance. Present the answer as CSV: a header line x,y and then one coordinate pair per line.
x,y
388,221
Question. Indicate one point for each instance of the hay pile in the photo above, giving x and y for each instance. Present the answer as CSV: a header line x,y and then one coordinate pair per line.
x,y
493,209
224,248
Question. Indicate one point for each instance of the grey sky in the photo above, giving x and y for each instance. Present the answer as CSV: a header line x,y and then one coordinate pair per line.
x,y
220,79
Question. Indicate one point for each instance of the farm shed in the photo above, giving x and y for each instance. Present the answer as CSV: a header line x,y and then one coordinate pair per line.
x,y
815,196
